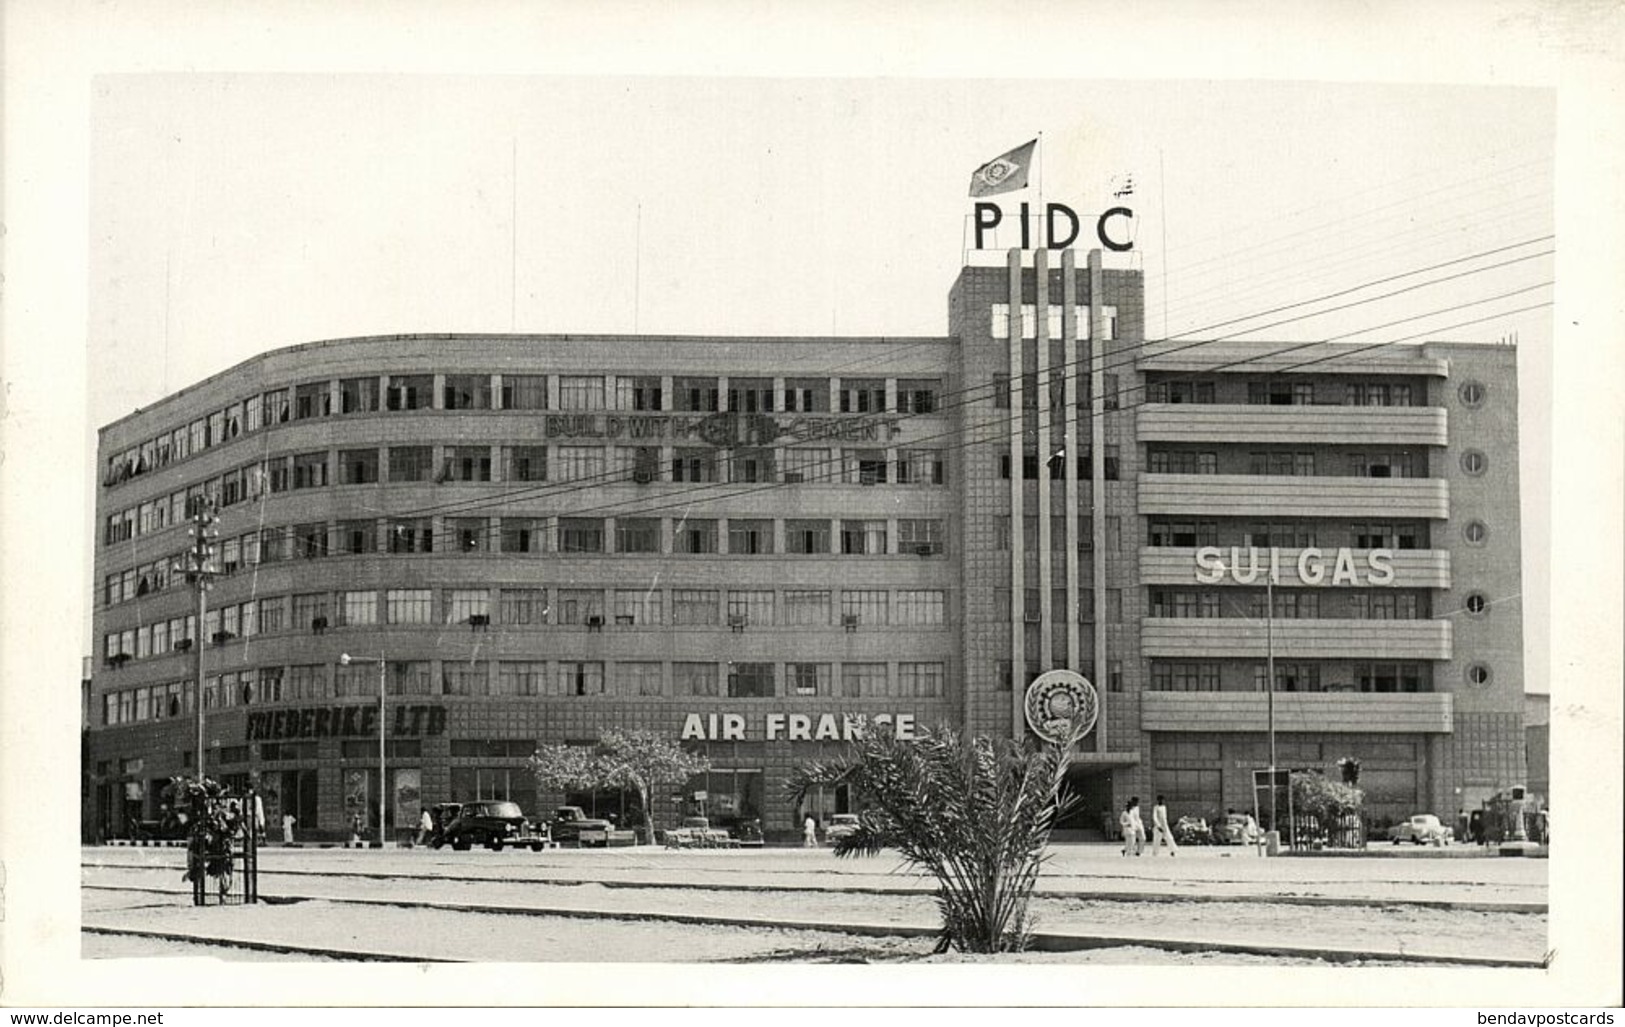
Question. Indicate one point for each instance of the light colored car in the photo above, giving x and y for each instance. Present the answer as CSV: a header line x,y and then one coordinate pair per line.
x,y
1421,829
840,825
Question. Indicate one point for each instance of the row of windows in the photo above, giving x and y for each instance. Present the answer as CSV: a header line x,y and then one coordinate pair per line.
x,y
1286,393
1110,394
694,536
1032,609
1287,534
527,464
536,607
409,678
999,324
1294,676
1396,464
1290,604
1056,464
374,393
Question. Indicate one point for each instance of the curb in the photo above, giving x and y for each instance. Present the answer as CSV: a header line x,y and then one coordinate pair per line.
x,y
358,955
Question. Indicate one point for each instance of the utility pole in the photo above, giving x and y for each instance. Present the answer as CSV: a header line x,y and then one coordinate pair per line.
x,y
199,570
1269,683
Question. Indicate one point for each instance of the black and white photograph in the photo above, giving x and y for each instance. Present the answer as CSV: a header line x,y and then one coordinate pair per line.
x,y
691,525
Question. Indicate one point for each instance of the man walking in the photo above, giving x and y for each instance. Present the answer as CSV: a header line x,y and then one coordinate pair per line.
x,y
1160,833
1133,828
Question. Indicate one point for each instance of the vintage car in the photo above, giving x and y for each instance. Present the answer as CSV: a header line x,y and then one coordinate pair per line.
x,y
489,823
840,825
571,824
1192,831
1421,829
1231,829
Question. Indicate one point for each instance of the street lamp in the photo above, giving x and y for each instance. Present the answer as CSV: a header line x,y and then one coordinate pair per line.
x,y
346,659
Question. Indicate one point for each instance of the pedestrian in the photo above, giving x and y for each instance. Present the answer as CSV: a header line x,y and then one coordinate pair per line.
x,y
355,829
425,826
809,833
287,828
1254,835
1160,833
259,816
1133,828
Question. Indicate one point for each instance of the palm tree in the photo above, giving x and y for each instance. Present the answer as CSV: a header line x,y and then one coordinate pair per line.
x,y
976,814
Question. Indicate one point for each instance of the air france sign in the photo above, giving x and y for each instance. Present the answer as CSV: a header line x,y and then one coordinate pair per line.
x,y
1060,226
795,727
1312,566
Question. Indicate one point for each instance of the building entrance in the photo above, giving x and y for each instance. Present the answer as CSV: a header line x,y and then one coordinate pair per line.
x,y
1092,813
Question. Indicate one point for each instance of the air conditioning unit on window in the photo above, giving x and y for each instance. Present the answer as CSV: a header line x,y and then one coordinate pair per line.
x,y
643,475
738,621
183,645
1032,618
595,623
924,549
793,477
478,621
849,621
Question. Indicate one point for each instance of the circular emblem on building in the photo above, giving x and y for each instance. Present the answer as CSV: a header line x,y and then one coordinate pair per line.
x,y
1058,700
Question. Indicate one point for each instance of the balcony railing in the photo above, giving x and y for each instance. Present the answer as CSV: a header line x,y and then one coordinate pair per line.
x,y
1259,495
1365,712
1322,639
1301,425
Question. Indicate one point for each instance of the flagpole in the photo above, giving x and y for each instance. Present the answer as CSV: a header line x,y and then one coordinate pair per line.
x,y
1040,168
1162,198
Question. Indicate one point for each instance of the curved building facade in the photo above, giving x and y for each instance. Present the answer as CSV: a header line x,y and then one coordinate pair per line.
x,y
750,543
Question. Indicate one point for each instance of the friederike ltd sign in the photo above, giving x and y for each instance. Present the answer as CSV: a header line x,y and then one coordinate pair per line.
x,y
410,721
794,727
1312,566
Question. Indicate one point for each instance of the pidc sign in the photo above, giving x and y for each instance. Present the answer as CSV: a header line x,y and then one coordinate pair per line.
x,y
1061,225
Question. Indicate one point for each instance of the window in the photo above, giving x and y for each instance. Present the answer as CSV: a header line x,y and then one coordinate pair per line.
x,y
581,678
920,467
694,536
806,395
753,607
805,607
920,608
694,679
1183,391
411,535
807,678
578,463
408,605
920,537
524,392
1176,461
467,392
313,400
358,466
695,395
750,395
465,678
1475,532
868,606
523,606
750,680
581,392
579,605
637,535
1184,677
917,395
1380,465
1478,675
1280,393
861,679
309,609
309,681
469,534
863,396
355,608
808,465
922,680
692,606
1474,462
521,677
1389,677
866,466
637,679
1184,534
409,677
467,463
275,544
358,395
310,470
581,535
253,419
1281,463
410,391
638,464
1109,394
1001,391
1383,606
271,617
522,534
465,603
750,538
753,465
525,463
694,465
806,537
1472,393
638,606
1477,603
637,394
1288,534
410,463
310,540
863,538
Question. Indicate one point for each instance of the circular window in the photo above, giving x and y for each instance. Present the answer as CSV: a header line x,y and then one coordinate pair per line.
x,y
1475,532
1478,675
1474,462
1476,603
1472,393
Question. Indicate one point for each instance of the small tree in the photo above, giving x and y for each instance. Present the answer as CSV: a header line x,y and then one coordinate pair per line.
x,y
636,760
1326,800
976,814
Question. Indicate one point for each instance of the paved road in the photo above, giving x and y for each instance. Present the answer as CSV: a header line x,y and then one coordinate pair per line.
x,y
1212,897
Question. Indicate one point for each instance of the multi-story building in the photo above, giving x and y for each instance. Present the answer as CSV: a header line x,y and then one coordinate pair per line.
x,y
746,543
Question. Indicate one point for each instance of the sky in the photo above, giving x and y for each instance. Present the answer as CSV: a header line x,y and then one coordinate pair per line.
x,y
716,166
234,214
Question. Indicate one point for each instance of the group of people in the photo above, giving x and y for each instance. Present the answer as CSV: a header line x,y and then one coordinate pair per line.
x,y
1133,829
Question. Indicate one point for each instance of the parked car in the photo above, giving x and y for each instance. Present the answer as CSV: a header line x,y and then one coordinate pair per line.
x,y
1193,831
1231,829
571,824
840,825
1421,829
488,823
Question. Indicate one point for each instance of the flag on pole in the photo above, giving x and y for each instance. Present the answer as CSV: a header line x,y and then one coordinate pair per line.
x,y
1005,173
